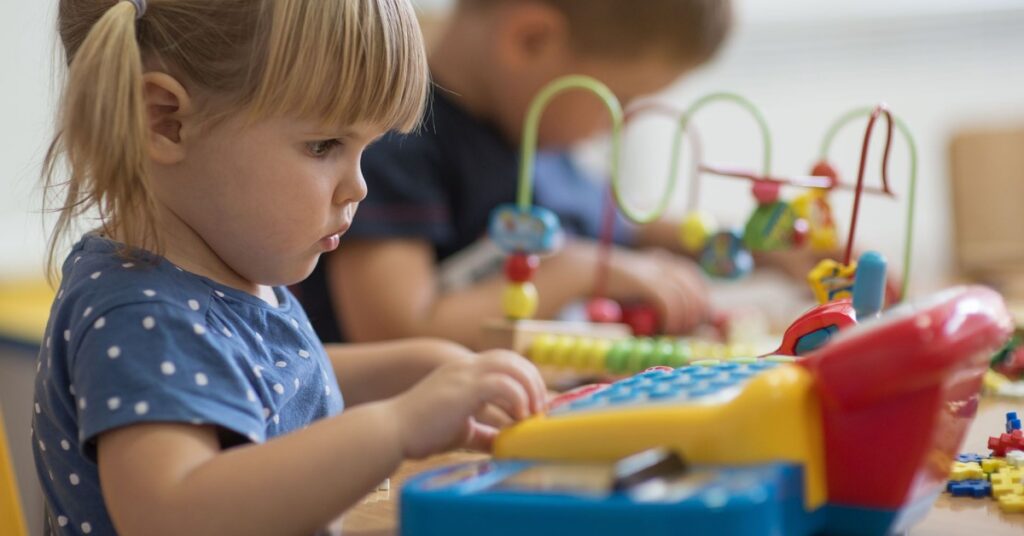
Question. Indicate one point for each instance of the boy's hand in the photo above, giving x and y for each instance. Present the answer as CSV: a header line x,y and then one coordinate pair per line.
x,y
439,412
671,283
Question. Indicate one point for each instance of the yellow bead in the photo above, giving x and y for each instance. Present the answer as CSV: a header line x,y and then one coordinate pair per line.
x,y
823,239
519,300
596,354
540,349
695,230
577,358
561,349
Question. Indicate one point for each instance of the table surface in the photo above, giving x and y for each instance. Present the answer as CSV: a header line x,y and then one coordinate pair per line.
x,y
377,514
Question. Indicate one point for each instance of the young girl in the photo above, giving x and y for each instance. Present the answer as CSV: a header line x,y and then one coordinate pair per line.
x,y
181,389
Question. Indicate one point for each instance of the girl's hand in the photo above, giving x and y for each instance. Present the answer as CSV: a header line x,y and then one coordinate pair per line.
x,y
438,413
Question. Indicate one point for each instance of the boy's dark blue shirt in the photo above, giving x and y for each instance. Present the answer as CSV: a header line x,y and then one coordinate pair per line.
x,y
440,185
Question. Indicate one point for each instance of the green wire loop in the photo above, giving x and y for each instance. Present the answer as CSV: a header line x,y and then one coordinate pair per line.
x,y
908,241
684,121
532,124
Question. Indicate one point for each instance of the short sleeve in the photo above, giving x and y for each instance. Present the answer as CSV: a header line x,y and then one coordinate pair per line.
x,y
159,362
406,194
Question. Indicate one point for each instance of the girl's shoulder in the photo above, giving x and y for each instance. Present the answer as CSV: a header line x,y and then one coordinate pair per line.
x,y
97,277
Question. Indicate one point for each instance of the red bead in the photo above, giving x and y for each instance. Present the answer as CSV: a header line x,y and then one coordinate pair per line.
x,y
766,192
824,169
643,319
800,231
520,267
604,311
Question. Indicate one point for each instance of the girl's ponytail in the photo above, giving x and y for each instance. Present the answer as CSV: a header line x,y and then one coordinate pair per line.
x,y
102,133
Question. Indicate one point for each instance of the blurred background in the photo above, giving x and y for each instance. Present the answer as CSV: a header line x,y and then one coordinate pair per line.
x,y
951,69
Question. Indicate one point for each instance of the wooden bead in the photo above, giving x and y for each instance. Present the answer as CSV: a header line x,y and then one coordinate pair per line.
x,y
695,230
520,267
519,300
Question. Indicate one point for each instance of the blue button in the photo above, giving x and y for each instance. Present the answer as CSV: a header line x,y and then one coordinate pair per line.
x,y
583,402
722,383
664,392
702,391
683,381
622,397
705,372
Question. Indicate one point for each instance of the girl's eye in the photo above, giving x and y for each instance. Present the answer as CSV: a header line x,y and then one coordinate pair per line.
x,y
321,148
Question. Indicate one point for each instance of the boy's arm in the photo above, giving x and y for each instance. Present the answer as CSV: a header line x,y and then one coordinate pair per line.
x,y
372,371
388,289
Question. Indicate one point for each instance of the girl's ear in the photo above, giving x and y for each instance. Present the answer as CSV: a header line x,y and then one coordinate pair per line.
x,y
168,108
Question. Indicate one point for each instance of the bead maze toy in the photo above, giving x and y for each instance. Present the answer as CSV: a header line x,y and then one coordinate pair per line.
x,y
771,446
525,232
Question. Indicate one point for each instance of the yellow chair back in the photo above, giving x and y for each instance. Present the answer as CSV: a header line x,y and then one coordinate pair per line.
x,y
12,521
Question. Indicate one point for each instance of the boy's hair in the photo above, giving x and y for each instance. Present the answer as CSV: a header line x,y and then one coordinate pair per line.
x,y
335,61
686,30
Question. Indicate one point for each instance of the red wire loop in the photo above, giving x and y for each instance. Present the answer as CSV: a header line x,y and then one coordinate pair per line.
x,y
879,110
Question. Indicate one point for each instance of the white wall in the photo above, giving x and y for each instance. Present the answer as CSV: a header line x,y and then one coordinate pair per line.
x,y
27,42
940,65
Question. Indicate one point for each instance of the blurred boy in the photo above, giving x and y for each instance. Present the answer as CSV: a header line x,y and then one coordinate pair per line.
x,y
431,193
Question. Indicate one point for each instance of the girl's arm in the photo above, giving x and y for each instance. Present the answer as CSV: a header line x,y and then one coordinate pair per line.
x,y
372,371
174,479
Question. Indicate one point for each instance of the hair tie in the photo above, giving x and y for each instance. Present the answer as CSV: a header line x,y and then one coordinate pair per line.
x,y
140,7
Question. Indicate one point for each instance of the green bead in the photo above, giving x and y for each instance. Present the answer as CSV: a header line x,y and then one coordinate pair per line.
x,y
616,360
744,360
641,353
780,358
662,354
682,355
707,363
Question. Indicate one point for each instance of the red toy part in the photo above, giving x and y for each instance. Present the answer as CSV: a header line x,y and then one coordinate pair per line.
x,y
839,313
766,192
519,267
1013,367
800,231
642,318
573,394
604,311
1006,442
824,169
898,393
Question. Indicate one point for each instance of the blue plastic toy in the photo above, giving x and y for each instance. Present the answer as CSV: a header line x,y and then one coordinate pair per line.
x,y
533,230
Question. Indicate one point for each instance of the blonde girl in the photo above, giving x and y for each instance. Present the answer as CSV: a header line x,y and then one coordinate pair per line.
x,y
181,389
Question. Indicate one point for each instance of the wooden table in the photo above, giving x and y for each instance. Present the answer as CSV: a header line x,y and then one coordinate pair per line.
x,y
377,515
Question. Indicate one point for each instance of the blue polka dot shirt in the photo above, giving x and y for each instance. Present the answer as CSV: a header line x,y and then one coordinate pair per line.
x,y
143,341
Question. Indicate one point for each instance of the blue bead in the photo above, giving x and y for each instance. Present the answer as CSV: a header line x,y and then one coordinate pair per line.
x,y
968,457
